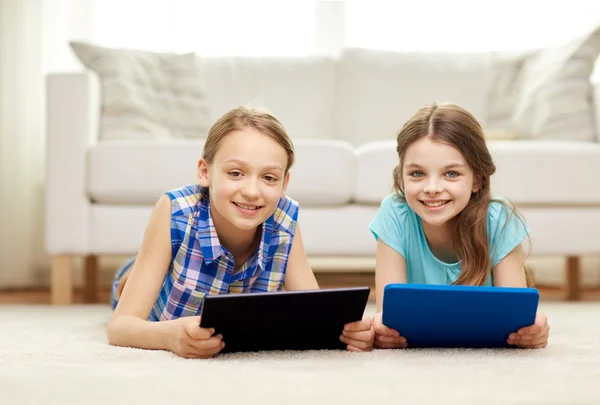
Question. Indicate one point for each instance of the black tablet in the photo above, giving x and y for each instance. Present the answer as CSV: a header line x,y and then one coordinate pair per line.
x,y
290,320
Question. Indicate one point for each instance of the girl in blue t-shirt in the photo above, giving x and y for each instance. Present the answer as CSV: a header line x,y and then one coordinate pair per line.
x,y
442,225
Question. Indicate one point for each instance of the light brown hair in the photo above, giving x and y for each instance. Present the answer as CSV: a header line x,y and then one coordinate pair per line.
x,y
453,125
247,117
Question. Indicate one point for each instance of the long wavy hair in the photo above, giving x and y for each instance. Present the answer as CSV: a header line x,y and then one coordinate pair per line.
x,y
453,125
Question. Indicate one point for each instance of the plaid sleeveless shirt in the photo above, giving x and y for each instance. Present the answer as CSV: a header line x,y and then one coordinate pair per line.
x,y
200,265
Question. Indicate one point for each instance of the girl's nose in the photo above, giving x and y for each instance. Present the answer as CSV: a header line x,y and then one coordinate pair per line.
x,y
250,190
432,189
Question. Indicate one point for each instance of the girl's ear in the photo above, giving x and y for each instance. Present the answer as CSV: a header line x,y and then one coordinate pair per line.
x,y
203,173
286,180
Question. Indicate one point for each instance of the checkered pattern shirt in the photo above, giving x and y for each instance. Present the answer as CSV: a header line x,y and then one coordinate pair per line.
x,y
200,265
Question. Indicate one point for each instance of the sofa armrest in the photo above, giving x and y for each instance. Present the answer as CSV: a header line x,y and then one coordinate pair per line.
x,y
72,109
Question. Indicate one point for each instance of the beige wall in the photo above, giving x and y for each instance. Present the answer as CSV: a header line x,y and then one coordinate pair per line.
x,y
21,142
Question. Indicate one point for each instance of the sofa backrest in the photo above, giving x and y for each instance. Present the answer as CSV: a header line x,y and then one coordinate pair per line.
x,y
358,96
299,91
361,96
377,91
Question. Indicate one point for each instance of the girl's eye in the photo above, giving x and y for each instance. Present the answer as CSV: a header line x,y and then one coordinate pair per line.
x,y
270,179
452,174
417,173
235,174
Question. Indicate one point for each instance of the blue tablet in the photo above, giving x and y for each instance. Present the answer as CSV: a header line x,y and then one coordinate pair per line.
x,y
458,316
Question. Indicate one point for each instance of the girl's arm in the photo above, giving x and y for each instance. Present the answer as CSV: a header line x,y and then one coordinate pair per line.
x,y
128,325
299,275
390,267
510,272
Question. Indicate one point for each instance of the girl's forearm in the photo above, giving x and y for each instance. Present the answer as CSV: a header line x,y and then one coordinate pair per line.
x,y
129,331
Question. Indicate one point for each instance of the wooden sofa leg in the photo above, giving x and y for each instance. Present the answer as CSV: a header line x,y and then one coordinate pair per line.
x,y
92,274
573,279
61,283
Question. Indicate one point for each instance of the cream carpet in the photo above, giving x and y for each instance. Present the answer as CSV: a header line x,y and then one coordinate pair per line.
x,y
60,356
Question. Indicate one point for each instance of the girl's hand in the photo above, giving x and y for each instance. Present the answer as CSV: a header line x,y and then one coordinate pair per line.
x,y
532,337
191,341
387,338
358,336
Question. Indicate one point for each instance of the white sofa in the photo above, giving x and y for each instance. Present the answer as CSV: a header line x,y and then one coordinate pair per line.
x,y
342,114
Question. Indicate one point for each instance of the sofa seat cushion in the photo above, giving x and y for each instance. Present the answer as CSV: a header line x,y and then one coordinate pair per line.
x,y
344,231
139,172
547,173
338,231
331,231
323,174
375,162
528,172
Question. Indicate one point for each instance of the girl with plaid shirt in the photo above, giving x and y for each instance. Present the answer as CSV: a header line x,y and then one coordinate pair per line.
x,y
235,231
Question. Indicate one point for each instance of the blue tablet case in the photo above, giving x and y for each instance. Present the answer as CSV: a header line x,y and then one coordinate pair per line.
x,y
458,316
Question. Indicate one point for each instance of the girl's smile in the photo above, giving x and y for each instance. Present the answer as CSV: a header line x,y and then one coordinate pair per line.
x,y
435,205
248,209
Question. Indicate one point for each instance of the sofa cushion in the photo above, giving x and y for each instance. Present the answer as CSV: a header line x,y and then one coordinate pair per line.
x,y
299,91
342,231
147,95
138,173
324,173
546,93
528,172
328,232
377,91
375,162
550,172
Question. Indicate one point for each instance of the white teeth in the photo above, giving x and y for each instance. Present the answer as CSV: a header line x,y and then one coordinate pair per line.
x,y
435,203
247,207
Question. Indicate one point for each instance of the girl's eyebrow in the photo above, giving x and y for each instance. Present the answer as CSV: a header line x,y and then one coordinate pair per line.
x,y
242,162
455,166
449,166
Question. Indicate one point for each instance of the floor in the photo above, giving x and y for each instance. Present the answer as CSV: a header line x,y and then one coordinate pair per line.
x,y
60,355
326,280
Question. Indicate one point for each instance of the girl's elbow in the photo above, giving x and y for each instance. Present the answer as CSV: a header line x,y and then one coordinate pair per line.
x,y
112,332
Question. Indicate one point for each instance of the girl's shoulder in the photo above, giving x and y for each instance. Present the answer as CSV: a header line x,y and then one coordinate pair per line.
x,y
185,200
503,216
506,228
394,205
500,209
285,216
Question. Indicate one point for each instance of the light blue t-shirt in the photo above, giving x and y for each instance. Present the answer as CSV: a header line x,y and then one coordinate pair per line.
x,y
401,229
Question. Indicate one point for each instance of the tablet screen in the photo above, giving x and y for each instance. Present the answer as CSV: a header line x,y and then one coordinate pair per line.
x,y
291,320
458,316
